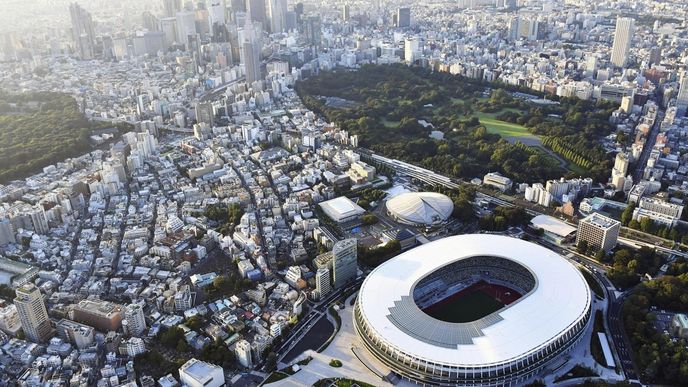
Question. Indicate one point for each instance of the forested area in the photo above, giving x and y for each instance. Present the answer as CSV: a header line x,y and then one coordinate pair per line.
x,y
660,359
391,99
40,129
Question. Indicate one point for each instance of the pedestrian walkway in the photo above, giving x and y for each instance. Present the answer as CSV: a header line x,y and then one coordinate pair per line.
x,y
366,369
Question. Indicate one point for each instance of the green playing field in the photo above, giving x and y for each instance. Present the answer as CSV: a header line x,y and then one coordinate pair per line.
x,y
466,308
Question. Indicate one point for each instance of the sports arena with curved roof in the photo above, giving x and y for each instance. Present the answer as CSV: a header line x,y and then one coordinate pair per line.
x,y
420,208
412,311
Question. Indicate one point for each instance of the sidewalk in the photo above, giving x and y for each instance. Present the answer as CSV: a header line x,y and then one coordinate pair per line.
x,y
345,347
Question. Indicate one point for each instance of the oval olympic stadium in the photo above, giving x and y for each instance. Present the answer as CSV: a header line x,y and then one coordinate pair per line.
x,y
480,309
420,208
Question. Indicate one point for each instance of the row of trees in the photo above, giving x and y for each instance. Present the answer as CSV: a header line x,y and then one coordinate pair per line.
x,y
562,147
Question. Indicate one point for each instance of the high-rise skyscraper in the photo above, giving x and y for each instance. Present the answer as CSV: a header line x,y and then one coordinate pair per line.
x,y
238,6
186,25
346,12
313,30
278,15
404,17
619,171
623,35
344,262
411,49
204,113
250,52
83,32
655,56
216,15
682,98
32,313
150,21
323,284
257,10
171,7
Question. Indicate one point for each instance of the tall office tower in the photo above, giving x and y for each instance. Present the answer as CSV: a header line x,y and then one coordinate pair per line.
x,y
619,171
411,49
171,7
682,97
134,320
250,58
598,231
204,113
623,35
404,17
250,52
168,25
257,10
83,32
655,56
150,21
524,26
216,14
314,32
39,220
621,163
186,25
344,264
591,66
323,284
278,15
6,232
146,144
346,12
238,6
32,313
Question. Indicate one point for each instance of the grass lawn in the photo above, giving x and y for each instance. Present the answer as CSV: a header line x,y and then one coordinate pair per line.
x,y
503,128
468,307
576,168
276,376
390,124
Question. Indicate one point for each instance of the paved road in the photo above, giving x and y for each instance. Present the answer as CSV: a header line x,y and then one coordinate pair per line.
x,y
647,149
619,339
307,322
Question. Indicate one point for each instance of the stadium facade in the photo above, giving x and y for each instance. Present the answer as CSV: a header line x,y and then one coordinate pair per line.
x,y
506,347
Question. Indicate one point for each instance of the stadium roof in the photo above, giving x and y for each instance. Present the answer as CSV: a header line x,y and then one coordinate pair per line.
x,y
560,299
341,208
421,207
553,225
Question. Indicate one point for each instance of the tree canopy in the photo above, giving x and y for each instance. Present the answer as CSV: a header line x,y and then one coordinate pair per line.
x,y
40,129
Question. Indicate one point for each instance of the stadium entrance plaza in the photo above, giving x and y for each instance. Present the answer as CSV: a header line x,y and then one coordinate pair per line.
x,y
359,364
